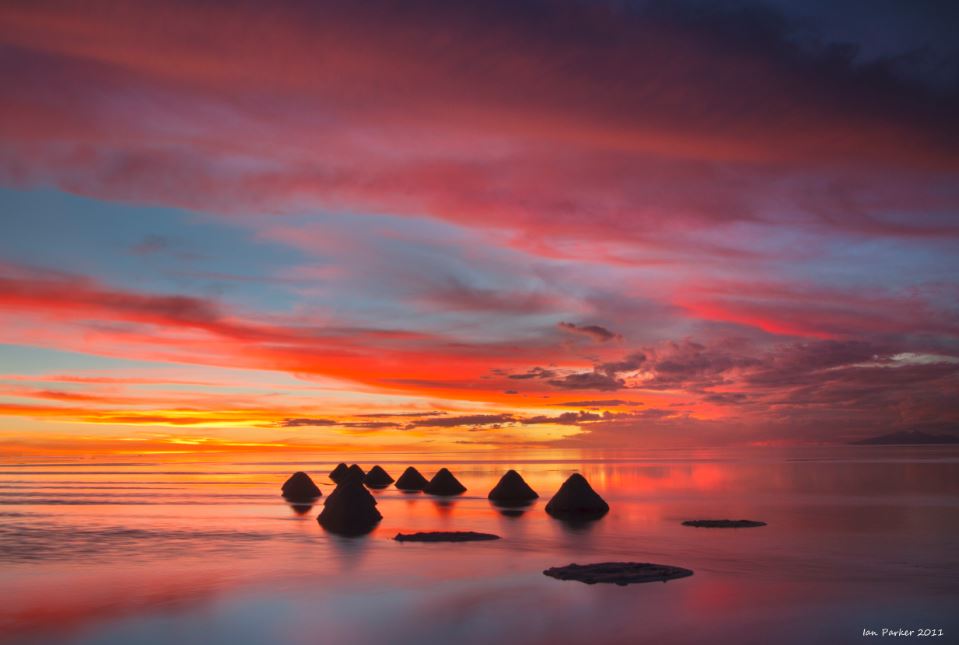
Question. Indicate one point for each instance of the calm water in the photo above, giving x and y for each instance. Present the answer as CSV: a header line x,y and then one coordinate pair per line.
x,y
146,551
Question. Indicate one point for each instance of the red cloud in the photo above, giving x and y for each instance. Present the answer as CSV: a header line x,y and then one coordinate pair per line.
x,y
820,312
589,124
84,314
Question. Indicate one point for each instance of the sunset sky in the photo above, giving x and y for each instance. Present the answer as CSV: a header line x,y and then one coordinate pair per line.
x,y
424,225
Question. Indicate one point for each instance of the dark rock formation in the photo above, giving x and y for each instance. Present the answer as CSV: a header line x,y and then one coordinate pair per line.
x,y
300,487
724,524
620,573
337,473
512,490
411,479
576,500
377,478
444,483
349,509
445,536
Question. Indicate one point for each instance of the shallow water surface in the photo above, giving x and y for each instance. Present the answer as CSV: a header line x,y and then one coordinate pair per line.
x,y
206,551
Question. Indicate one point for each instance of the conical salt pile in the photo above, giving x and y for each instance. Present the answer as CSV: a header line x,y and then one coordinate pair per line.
x,y
300,487
357,471
576,499
337,473
350,509
411,479
350,476
378,478
512,490
444,483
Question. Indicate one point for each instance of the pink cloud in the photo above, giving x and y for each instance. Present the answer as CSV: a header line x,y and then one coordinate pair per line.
x,y
821,312
595,125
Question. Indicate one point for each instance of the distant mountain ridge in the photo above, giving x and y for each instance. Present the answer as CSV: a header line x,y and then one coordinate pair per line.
x,y
907,438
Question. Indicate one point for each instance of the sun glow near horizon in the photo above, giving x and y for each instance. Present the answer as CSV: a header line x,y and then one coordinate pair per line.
x,y
615,227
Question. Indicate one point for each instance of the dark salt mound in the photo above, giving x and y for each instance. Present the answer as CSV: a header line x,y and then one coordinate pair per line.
x,y
337,473
300,487
445,536
444,483
378,478
723,524
346,485
411,479
512,490
620,573
576,500
355,471
350,509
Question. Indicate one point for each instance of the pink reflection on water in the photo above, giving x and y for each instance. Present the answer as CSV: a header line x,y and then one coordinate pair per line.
x,y
92,552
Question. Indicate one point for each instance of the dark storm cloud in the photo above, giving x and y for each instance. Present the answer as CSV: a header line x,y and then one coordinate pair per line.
x,y
399,415
631,362
566,418
597,403
305,422
533,373
588,381
594,332
474,420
